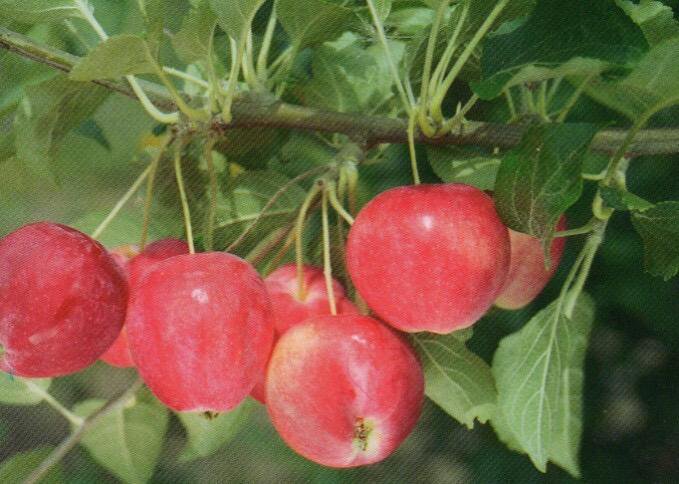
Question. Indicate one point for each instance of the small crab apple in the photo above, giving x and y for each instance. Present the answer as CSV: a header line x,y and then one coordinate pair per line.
x,y
289,309
527,275
200,330
429,257
62,300
136,263
118,353
344,391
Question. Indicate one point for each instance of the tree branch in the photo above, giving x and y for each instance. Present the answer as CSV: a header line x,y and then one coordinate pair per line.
x,y
248,113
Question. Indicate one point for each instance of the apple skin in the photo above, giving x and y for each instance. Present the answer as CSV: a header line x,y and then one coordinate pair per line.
x,y
62,300
289,310
429,257
344,391
134,262
200,330
527,275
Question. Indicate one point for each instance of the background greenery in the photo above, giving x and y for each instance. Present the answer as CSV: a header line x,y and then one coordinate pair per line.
x,y
631,415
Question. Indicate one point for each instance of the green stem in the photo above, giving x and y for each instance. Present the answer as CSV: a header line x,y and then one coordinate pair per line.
x,y
411,148
79,432
212,207
407,104
236,61
437,101
119,205
428,61
299,240
331,189
53,402
452,46
510,104
196,114
263,56
327,265
587,257
585,229
150,184
459,116
570,104
182,196
186,77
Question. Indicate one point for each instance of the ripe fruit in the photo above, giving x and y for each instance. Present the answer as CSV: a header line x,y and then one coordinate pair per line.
x,y
289,310
344,391
62,300
135,265
527,275
429,257
200,330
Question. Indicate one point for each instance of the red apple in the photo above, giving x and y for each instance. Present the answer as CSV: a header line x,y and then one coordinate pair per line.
x,y
62,300
528,275
344,391
429,257
136,263
200,330
289,310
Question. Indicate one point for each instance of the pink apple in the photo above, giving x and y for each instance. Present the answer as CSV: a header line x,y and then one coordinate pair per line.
x,y
62,300
136,263
429,257
200,330
528,275
289,310
344,391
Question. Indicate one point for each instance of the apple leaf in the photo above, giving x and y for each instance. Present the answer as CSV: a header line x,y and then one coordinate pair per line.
x,y
456,379
454,164
622,199
127,441
116,57
655,19
22,391
234,16
206,436
192,41
541,178
313,22
652,86
558,38
17,468
659,228
539,375
48,111
39,11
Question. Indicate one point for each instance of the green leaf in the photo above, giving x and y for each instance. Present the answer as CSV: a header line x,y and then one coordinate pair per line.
x,y
655,19
207,436
559,38
127,441
620,199
541,178
653,85
234,16
313,22
539,374
456,379
22,391
39,11
659,228
18,467
350,78
454,164
383,8
192,42
116,57
244,200
47,113
154,12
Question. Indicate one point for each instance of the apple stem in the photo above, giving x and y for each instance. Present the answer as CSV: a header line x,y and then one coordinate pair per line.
x,y
327,264
331,190
182,196
150,183
411,146
212,207
299,235
119,205
53,402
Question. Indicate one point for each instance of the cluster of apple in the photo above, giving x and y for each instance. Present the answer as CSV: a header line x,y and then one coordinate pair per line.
x,y
204,330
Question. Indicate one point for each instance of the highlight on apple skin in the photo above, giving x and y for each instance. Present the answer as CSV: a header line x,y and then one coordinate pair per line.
x,y
344,391
528,275
429,257
289,310
62,300
135,265
200,330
